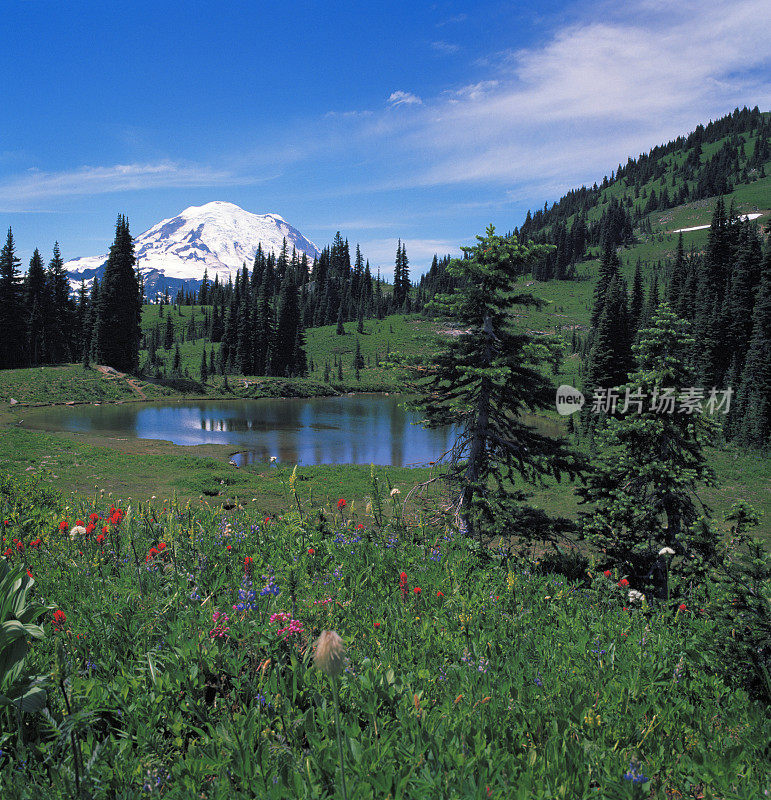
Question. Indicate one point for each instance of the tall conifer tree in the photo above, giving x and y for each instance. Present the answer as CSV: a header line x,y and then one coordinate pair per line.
x,y
483,380
12,316
119,312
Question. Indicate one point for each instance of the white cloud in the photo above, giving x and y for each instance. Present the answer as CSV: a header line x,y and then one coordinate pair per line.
x,y
445,48
20,191
400,98
592,94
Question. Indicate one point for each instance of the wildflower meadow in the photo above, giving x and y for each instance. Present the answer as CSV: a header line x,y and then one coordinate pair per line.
x,y
161,651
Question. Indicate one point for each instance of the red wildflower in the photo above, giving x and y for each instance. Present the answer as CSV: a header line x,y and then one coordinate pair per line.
x,y
29,572
606,573
100,539
19,545
377,624
341,504
81,523
360,527
152,553
417,590
63,525
35,543
6,523
161,546
681,607
248,566
623,582
105,529
90,528
229,547
440,594
59,619
116,516
311,551
403,585
8,553
93,516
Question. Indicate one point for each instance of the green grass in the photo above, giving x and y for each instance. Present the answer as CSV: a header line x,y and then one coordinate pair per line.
x,y
477,680
70,382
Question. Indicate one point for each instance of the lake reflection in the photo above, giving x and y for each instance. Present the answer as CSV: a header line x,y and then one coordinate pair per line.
x,y
360,429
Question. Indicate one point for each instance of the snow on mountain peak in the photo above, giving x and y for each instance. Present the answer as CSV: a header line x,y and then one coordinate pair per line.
x,y
217,237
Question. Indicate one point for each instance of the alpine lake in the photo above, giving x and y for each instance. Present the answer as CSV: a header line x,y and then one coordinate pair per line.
x,y
351,429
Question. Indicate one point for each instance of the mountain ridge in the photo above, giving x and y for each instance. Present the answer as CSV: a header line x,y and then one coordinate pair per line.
x,y
217,238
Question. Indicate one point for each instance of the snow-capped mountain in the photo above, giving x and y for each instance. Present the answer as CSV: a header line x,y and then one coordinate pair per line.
x,y
218,237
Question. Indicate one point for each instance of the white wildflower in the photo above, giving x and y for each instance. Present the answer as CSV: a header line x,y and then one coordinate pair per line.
x,y
330,653
635,596
666,551
78,530
395,492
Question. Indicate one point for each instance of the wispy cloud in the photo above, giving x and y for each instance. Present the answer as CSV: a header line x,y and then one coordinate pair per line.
x,y
19,192
593,93
445,48
401,98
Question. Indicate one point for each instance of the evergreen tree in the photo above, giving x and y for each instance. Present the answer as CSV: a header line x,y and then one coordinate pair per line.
x,y
117,330
12,316
204,367
287,324
652,303
36,308
676,284
610,358
753,401
609,268
60,318
637,300
176,365
650,462
483,380
89,324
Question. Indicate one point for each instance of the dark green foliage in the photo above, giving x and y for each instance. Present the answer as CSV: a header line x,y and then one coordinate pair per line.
x,y
61,324
610,358
12,311
609,269
484,380
117,330
636,301
650,463
752,415
37,308
288,322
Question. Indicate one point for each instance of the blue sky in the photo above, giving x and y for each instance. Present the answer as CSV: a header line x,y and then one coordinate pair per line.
x,y
383,120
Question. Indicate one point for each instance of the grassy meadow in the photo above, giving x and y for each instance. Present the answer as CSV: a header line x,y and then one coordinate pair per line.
x,y
176,642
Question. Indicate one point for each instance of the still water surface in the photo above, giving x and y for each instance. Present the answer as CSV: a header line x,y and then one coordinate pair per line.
x,y
359,429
